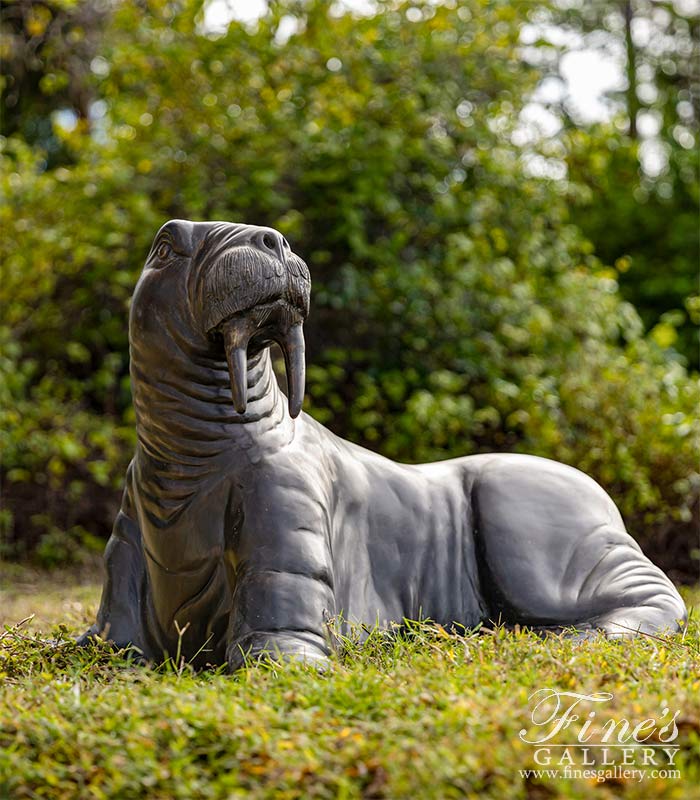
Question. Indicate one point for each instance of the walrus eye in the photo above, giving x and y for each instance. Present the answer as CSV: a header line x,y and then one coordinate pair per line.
x,y
164,250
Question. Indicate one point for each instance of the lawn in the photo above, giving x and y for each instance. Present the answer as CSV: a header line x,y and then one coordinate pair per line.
x,y
420,714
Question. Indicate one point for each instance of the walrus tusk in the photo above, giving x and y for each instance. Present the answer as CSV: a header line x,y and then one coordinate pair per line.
x,y
292,346
237,332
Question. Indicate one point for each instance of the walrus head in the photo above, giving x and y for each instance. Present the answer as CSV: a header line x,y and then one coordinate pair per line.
x,y
230,289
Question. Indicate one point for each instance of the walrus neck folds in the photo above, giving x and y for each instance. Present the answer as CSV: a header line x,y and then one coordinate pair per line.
x,y
184,411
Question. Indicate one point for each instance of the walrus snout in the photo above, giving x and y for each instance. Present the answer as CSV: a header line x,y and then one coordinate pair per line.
x,y
255,291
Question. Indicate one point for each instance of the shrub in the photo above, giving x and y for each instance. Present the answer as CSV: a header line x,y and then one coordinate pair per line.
x,y
457,307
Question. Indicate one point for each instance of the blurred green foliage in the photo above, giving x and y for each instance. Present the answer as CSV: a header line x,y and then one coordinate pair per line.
x,y
46,51
640,171
457,307
647,228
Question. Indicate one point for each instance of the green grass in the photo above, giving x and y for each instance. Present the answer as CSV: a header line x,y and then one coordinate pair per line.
x,y
423,714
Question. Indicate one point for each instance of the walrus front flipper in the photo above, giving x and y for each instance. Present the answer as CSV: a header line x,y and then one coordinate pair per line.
x,y
284,591
119,617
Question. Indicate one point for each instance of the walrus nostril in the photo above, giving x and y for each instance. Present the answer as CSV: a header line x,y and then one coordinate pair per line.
x,y
269,241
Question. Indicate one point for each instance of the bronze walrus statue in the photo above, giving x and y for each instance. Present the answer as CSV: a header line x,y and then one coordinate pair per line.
x,y
246,525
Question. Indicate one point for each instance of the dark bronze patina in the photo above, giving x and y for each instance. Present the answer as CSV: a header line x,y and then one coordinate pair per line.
x,y
248,525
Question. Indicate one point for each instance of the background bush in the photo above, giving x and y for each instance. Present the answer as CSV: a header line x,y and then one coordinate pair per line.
x,y
457,305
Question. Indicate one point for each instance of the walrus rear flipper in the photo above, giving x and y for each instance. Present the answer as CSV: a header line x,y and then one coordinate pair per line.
x,y
119,617
554,554
637,597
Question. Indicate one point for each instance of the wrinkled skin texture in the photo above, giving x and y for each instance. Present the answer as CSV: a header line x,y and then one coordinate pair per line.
x,y
249,527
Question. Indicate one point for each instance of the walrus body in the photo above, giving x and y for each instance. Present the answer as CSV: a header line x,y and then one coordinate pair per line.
x,y
245,526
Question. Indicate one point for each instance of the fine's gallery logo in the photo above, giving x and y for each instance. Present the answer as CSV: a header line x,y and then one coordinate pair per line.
x,y
574,736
